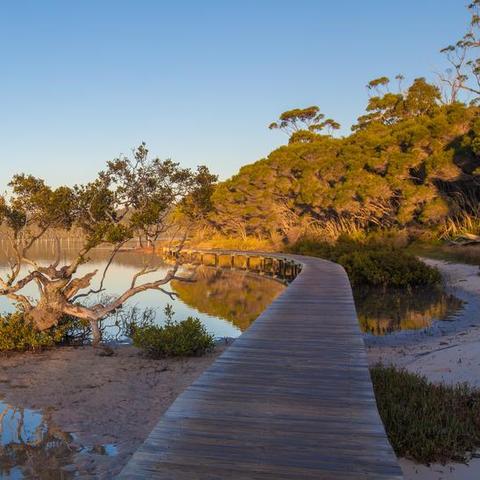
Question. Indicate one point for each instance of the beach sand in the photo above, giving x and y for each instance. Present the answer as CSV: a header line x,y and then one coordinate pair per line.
x,y
450,358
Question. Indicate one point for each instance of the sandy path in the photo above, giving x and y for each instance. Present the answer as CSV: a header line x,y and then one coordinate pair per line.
x,y
101,400
448,358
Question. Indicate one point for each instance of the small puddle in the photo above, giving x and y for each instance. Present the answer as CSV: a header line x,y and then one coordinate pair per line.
x,y
32,447
385,312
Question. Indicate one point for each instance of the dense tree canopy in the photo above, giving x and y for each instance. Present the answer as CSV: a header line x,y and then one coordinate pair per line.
x,y
407,164
412,162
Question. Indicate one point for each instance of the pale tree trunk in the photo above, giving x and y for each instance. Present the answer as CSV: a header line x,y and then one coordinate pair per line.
x,y
96,333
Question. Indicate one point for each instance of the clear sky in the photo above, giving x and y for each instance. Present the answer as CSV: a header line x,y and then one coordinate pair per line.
x,y
199,81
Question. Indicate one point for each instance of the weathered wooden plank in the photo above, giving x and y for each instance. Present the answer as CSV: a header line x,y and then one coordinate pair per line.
x,y
290,399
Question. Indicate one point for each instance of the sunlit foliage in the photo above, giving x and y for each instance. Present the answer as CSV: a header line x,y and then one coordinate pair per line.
x,y
409,163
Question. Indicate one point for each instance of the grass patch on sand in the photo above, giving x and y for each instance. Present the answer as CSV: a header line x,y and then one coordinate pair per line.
x,y
427,422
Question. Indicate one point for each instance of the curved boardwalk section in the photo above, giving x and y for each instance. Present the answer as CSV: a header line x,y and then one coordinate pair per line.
x,y
290,399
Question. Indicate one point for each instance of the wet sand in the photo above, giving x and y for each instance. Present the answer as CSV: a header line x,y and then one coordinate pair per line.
x,y
100,399
118,400
451,357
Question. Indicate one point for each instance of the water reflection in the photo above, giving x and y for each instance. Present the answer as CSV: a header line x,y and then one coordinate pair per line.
x,y
383,312
226,304
32,447
235,296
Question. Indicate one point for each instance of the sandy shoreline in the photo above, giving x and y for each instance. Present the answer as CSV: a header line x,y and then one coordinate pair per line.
x,y
117,400
114,400
445,354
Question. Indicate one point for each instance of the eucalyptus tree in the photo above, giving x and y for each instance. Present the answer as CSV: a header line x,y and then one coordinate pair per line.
x,y
131,197
464,71
303,125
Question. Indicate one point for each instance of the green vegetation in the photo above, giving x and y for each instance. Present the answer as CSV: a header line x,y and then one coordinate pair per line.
x,y
18,334
427,422
412,162
174,339
371,263
132,198
417,169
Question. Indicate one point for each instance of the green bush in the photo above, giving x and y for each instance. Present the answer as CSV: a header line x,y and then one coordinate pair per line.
x,y
174,339
371,263
16,333
427,422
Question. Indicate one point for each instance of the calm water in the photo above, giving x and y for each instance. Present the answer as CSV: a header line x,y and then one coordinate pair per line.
x,y
385,312
31,447
226,302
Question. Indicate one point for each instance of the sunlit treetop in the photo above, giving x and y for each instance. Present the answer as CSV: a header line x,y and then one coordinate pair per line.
x,y
304,124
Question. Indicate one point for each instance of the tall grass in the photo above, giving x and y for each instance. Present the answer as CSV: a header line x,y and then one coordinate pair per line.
x,y
463,225
332,229
465,222
233,243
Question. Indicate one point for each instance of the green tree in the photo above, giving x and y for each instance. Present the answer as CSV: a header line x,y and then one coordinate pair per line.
x,y
302,124
400,168
133,197
421,98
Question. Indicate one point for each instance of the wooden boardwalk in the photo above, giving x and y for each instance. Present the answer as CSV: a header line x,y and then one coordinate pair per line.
x,y
290,399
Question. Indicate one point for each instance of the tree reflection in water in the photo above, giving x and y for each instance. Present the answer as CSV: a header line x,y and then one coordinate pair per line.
x,y
382,312
240,298
235,296
32,448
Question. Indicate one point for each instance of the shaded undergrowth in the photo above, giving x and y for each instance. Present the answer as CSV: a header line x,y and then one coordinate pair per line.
x,y
372,263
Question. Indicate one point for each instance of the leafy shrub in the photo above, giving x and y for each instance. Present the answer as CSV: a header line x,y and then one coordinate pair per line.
x,y
371,263
16,333
424,421
174,339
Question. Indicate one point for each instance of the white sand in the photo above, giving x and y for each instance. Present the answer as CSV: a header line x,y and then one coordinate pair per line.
x,y
451,359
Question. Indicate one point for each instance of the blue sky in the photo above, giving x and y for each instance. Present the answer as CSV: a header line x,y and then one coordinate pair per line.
x,y
199,81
